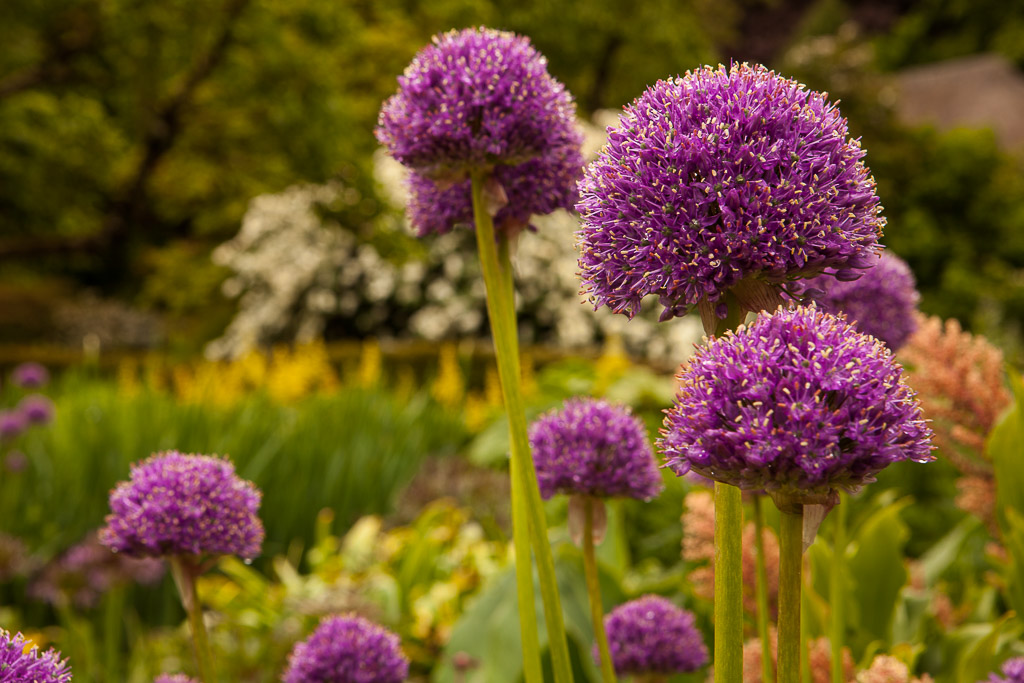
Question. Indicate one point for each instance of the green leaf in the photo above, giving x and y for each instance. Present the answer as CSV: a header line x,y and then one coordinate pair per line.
x,y
1005,448
876,569
980,658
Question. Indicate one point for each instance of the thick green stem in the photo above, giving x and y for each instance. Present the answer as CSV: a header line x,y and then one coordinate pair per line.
x,y
836,592
185,574
728,584
594,590
790,574
763,617
529,528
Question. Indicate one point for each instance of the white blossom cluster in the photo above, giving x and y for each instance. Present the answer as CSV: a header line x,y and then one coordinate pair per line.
x,y
299,275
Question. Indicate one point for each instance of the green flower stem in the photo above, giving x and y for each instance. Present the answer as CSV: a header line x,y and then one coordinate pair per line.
x,y
185,574
594,590
728,555
763,618
836,591
529,527
805,636
790,575
728,584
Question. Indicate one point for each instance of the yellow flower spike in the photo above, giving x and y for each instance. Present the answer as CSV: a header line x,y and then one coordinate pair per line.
x,y
369,372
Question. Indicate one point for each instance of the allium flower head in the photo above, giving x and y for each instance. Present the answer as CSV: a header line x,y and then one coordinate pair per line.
x,y
36,409
533,188
720,180
882,302
593,448
174,678
177,504
797,403
22,664
30,375
1013,672
347,649
474,99
652,635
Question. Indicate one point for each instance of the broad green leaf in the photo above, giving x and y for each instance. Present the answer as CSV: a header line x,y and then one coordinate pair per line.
x,y
1005,448
980,658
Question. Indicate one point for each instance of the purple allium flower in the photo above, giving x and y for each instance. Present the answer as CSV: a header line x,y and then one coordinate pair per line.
x,y
536,187
88,570
882,302
30,375
593,448
1013,672
474,99
174,678
798,403
179,504
652,635
36,409
12,424
347,649
723,180
22,664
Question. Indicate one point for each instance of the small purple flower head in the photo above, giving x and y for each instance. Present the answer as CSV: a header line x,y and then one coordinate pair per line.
x,y
882,302
12,424
36,409
652,635
593,448
22,664
30,375
535,187
474,99
174,678
87,570
178,504
723,180
797,403
347,649
1013,672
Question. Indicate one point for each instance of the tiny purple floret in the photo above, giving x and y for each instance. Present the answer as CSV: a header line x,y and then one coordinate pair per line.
x,y
594,448
721,178
30,375
18,665
36,409
797,403
176,504
348,649
12,424
652,635
882,302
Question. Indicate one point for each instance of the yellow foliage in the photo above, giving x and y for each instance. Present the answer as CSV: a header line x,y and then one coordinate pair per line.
x,y
450,386
370,366
612,365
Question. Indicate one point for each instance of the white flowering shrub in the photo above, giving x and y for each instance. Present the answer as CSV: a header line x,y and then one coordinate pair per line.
x,y
299,274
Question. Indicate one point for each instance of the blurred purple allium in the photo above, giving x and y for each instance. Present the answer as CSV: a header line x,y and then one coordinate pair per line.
x,y
797,403
347,649
723,180
176,504
652,635
87,570
882,302
12,424
36,409
30,375
474,99
593,448
1013,672
174,678
22,664
534,188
